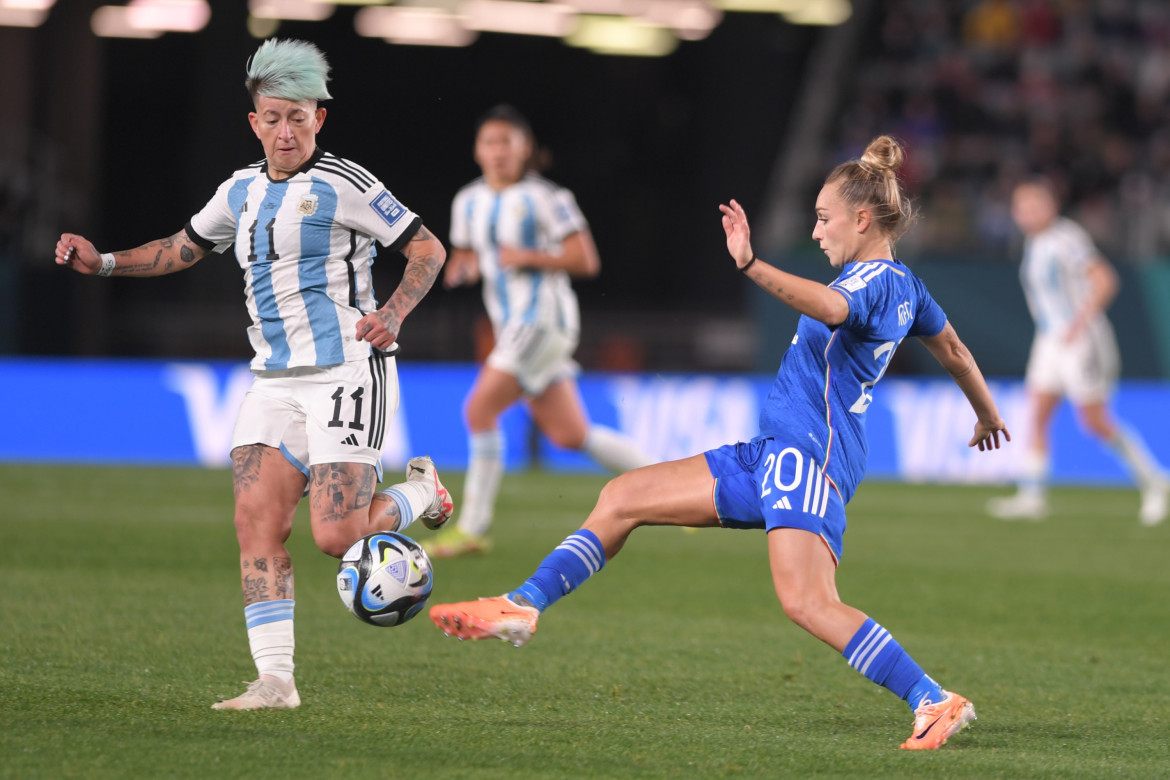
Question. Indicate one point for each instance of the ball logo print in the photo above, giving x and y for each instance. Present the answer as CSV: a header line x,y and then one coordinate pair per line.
x,y
384,579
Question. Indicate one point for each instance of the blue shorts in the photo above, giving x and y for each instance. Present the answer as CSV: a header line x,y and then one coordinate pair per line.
x,y
765,483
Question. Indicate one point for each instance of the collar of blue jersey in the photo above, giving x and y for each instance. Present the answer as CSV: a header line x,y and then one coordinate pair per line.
x,y
314,158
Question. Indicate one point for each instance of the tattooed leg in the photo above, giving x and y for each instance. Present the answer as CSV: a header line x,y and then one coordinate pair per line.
x,y
267,490
340,496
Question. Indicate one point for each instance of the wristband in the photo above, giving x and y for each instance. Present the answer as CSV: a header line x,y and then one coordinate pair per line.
x,y
749,265
108,263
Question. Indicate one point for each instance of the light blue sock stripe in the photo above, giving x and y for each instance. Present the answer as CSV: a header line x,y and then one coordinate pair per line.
x,y
268,612
404,511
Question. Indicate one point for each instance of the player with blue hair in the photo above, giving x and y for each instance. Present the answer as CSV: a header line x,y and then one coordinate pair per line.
x,y
795,478
304,224
290,70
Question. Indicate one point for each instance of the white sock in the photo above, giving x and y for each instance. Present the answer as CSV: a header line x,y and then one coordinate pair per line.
x,y
412,498
1034,476
270,635
616,451
1130,447
484,473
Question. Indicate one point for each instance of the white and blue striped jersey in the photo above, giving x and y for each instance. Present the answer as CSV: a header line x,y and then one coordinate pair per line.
x,y
307,247
1054,273
533,213
826,380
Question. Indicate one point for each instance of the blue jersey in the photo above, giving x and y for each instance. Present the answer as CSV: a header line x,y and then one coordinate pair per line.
x,y
826,379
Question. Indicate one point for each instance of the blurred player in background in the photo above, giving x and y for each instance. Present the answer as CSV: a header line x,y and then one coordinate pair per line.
x,y
304,223
1069,285
796,477
523,236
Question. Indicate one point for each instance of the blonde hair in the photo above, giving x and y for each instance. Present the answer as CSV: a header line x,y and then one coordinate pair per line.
x,y
290,70
872,183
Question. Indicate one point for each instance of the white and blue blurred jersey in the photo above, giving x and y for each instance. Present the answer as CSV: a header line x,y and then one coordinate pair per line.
x,y
826,379
533,213
306,245
1054,273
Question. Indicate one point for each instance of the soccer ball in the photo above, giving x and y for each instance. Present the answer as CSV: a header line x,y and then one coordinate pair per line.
x,y
384,578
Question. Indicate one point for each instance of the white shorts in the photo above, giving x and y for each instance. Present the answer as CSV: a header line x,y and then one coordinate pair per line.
x,y
338,414
536,355
1085,369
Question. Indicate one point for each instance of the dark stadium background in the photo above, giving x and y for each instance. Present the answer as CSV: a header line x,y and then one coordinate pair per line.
x,y
122,140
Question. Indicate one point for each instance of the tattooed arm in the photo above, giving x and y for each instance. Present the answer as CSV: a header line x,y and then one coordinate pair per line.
x,y
164,256
425,256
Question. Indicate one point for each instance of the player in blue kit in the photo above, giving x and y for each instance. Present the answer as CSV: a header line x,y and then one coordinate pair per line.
x,y
304,224
795,478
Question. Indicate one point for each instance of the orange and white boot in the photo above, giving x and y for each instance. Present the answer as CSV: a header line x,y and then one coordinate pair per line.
x,y
492,618
934,724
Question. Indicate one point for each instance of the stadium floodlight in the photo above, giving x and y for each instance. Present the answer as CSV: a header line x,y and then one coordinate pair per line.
x,y
27,5
821,12
113,21
622,36
22,17
413,25
292,10
610,7
188,16
506,16
691,20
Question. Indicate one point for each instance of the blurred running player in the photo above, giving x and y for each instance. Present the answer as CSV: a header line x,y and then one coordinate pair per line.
x,y
304,223
795,478
1069,285
523,236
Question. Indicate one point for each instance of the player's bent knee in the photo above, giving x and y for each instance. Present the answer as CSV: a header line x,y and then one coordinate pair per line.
x,y
799,609
335,538
615,504
567,440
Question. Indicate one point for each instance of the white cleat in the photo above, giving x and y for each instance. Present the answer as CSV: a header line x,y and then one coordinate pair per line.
x,y
1021,506
1155,503
266,693
422,469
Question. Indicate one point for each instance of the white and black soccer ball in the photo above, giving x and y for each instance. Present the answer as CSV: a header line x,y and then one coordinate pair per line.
x,y
384,578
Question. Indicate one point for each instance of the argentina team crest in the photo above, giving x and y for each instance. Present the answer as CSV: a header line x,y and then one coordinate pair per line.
x,y
307,206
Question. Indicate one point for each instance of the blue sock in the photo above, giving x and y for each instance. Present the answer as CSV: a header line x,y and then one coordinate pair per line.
x,y
873,652
574,560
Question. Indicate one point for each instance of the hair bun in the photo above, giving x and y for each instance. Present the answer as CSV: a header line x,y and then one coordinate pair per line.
x,y
884,155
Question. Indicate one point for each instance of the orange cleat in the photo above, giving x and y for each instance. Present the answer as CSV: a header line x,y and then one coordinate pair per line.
x,y
934,724
492,618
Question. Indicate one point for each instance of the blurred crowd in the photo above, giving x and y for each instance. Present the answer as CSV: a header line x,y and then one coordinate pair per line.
x,y
985,92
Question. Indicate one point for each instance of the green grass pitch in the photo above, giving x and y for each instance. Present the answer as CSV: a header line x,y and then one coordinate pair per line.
x,y
121,622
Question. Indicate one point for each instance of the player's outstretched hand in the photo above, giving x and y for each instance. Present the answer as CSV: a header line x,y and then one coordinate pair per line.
x,y
380,328
739,234
76,252
987,435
